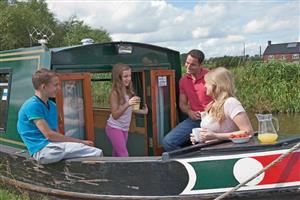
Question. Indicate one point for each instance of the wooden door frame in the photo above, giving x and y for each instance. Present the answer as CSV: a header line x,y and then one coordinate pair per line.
x,y
153,74
87,102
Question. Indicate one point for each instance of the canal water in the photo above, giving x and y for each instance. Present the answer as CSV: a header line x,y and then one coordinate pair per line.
x,y
289,124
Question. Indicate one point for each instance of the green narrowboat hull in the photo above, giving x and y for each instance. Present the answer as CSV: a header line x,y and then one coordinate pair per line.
x,y
197,172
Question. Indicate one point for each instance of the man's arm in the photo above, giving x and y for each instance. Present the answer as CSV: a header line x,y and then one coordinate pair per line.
x,y
54,136
183,103
185,107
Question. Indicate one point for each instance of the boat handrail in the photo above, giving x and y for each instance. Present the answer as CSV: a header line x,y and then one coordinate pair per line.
x,y
190,149
220,147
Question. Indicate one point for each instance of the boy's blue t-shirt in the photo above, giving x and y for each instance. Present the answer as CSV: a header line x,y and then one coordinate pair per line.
x,y
35,108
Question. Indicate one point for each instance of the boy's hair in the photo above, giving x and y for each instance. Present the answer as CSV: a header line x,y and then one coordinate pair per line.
x,y
42,76
199,55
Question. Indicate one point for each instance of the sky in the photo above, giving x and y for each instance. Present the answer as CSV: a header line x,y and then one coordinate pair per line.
x,y
216,27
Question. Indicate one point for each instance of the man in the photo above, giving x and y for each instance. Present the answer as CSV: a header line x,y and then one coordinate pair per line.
x,y
192,101
37,125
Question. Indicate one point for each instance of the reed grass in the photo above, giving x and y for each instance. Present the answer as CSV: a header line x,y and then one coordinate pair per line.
x,y
6,194
269,87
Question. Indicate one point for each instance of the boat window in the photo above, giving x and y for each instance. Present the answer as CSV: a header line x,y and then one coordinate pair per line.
x,y
73,108
4,94
101,85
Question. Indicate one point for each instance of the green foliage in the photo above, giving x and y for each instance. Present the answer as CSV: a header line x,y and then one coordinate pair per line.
x,y
12,193
101,86
18,18
76,30
226,61
183,58
269,87
6,194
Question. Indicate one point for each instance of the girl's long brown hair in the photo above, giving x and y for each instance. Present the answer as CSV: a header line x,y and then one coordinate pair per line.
x,y
222,82
117,84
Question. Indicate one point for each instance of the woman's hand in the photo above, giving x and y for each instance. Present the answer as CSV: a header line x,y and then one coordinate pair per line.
x,y
193,138
206,135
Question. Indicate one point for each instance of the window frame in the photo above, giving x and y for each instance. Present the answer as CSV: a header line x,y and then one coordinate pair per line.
x,y
87,103
93,80
271,57
8,71
295,56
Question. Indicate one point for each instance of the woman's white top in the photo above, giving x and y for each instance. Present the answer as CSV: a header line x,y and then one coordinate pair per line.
x,y
232,107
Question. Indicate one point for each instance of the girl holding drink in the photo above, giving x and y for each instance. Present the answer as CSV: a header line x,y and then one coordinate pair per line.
x,y
121,100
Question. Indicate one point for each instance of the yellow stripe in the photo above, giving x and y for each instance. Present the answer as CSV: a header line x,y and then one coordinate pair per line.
x,y
24,58
22,53
12,141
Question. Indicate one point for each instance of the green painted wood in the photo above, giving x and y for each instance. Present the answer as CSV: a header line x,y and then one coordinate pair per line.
x,y
214,174
136,143
22,63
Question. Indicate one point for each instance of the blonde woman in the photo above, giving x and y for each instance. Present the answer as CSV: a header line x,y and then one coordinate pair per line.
x,y
225,115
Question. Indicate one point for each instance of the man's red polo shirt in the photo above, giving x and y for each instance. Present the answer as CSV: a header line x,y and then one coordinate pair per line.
x,y
195,91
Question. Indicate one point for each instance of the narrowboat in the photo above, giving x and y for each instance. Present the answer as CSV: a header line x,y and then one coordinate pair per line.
x,y
202,171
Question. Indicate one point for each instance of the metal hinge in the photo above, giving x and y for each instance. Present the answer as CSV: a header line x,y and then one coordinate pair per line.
x,y
150,142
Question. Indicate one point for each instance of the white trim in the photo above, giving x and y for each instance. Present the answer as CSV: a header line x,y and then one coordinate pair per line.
x,y
193,176
232,156
247,188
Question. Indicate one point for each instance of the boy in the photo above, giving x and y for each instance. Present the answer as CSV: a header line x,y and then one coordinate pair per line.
x,y
37,125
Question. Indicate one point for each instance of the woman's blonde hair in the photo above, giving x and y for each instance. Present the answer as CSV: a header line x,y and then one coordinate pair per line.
x,y
222,83
117,84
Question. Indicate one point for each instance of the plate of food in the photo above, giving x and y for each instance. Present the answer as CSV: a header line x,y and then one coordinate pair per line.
x,y
240,138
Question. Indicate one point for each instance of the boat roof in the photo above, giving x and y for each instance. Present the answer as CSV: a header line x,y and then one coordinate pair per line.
x,y
59,49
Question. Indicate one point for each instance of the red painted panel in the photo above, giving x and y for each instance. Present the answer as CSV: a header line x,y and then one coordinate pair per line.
x,y
287,170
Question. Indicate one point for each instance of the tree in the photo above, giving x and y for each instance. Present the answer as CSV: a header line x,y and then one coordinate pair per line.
x,y
18,18
76,30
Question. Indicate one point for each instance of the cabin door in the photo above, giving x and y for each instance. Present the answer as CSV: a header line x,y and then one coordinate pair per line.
x,y
163,103
74,103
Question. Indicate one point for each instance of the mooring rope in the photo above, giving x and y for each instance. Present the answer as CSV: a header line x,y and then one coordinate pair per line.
x,y
274,162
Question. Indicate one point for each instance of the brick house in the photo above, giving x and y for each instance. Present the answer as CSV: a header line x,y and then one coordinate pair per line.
x,y
289,52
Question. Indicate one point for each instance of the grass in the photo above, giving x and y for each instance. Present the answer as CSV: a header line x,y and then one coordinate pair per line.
x,y
10,194
269,87
6,194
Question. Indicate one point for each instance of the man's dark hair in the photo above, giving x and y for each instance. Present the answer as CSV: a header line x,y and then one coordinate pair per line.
x,y
195,53
42,76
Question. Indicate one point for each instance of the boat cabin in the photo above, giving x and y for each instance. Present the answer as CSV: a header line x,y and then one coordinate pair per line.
x,y
85,79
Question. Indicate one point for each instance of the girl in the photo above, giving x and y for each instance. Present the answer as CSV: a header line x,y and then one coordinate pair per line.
x,y
225,115
121,100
